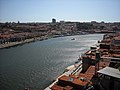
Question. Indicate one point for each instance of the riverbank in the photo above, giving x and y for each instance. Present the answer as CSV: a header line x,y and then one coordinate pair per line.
x,y
33,39
17,43
13,44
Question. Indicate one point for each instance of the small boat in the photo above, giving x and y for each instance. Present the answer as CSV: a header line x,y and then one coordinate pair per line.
x,y
73,39
26,88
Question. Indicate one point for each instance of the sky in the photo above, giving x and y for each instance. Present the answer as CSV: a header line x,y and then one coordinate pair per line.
x,y
67,10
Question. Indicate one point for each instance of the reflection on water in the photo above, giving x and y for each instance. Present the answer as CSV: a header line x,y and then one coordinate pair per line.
x,y
37,64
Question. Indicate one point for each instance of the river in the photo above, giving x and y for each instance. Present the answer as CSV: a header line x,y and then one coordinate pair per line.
x,y
37,64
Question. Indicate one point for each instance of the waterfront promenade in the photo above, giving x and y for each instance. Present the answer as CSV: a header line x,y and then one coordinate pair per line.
x,y
13,44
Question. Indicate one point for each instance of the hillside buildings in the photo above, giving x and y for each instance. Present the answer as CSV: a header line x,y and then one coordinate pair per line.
x,y
12,32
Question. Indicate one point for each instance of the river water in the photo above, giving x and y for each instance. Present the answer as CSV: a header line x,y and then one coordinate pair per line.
x,y
37,64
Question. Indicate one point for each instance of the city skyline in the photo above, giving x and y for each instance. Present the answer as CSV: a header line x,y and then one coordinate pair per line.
x,y
68,10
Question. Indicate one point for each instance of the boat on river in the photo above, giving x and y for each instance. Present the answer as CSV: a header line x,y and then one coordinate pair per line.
x,y
26,88
73,39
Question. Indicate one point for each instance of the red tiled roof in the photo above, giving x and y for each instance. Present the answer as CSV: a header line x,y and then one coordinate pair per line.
x,y
91,70
56,87
68,88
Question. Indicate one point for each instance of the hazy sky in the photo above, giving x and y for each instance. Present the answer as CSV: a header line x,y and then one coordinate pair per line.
x,y
68,10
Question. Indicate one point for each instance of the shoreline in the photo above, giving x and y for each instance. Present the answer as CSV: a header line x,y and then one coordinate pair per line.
x,y
14,44
34,39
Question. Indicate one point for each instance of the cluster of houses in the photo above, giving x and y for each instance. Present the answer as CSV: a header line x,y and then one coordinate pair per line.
x,y
12,32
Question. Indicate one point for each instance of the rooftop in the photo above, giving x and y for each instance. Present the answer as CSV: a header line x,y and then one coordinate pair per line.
x,y
110,72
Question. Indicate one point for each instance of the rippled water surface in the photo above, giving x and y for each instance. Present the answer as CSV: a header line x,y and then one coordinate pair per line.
x,y
37,64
